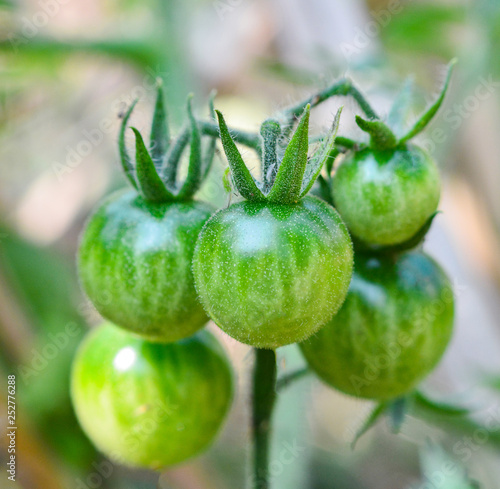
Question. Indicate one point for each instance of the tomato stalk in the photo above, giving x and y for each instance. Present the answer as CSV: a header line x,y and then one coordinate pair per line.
x,y
341,87
263,399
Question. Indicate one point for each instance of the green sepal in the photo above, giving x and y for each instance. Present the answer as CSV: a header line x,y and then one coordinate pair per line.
x,y
208,158
401,107
413,242
226,180
370,422
160,134
288,183
323,189
397,411
151,185
439,408
321,157
427,116
347,143
270,130
242,178
193,178
172,159
128,167
381,137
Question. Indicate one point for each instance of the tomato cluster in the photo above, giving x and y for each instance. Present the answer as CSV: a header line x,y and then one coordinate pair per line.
x,y
337,273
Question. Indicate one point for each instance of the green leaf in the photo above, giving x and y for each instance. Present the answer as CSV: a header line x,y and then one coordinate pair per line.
x,y
193,179
152,187
370,422
381,137
401,107
270,130
427,116
127,165
242,178
287,186
321,157
160,135
169,169
439,408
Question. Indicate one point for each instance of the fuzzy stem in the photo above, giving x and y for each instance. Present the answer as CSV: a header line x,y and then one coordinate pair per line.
x,y
263,399
248,139
340,87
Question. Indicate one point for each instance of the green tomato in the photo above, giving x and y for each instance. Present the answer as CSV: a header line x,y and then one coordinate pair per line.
x,y
391,331
135,265
270,275
149,404
385,197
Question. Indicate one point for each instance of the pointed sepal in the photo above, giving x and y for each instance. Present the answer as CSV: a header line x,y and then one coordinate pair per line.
x,y
242,178
288,184
151,185
427,116
397,411
370,422
208,157
381,137
270,130
160,135
193,178
321,157
172,159
401,108
439,408
128,167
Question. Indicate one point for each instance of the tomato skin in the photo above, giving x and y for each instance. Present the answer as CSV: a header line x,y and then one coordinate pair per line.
x,y
386,197
391,331
135,265
271,275
149,404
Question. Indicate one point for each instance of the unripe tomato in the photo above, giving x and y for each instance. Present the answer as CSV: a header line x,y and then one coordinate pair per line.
x,y
385,197
149,404
391,331
135,265
269,274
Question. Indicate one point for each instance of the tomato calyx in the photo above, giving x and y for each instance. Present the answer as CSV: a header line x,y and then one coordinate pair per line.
x,y
285,179
154,172
393,134
415,403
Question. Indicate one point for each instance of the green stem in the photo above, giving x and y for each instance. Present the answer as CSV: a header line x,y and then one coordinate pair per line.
x,y
248,139
263,399
290,378
340,87
345,142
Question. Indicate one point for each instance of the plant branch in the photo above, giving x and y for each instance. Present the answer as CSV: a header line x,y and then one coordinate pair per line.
x,y
245,138
340,87
284,381
263,399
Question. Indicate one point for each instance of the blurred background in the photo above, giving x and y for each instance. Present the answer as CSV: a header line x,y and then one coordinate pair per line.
x,y
68,68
